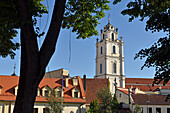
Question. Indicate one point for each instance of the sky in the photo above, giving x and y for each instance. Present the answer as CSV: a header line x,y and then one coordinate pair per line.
x,y
83,52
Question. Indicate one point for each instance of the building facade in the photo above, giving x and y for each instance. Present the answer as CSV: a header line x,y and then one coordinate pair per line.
x,y
73,94
110,57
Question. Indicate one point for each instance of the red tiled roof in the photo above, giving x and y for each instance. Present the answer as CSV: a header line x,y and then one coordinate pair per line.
x,y
144,84
141,99
92,86
9,82
124,90
141,81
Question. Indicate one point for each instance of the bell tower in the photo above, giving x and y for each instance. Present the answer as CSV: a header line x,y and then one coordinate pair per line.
x,y
109,57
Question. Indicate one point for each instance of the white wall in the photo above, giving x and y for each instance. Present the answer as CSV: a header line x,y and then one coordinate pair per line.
x,y
163,108
75,108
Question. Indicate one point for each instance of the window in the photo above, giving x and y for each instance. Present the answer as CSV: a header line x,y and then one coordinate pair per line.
x,y
35,110
150,110
141,109
158,110
103,36
46,93
112,37
76,94
101,50
100,68
58,93
114,49
114,67
46,110
120,95
168,110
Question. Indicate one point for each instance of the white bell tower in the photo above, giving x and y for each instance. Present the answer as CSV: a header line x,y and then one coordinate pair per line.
x,y
110,58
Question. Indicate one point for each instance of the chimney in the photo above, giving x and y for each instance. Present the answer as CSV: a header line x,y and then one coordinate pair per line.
x,y
66,82
84,82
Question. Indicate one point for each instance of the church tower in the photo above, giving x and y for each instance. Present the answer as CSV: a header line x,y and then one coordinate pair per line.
x,y
110,58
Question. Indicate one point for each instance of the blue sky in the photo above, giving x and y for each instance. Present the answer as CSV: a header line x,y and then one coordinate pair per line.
x,y
83,51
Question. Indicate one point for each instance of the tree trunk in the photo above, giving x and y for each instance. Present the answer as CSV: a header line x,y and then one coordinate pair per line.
x,y
34,62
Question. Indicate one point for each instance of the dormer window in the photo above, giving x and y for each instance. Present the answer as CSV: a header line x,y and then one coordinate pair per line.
x,y
112,37
46,91
0,89
58,91
76,93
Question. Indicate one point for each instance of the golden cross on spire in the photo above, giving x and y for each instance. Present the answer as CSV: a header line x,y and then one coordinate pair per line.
x,y
109,18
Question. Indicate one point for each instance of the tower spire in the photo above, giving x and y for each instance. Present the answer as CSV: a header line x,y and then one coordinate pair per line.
x,y
14,71
109,18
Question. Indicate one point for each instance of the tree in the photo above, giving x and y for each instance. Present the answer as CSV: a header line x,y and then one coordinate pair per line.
x,y
157,14
93,106
81,15
115,104
55,105
137,109
109,104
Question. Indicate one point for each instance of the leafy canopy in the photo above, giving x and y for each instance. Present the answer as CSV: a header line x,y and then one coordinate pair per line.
x,y
9,23
108,103
81,15
157,14
93,107
55,105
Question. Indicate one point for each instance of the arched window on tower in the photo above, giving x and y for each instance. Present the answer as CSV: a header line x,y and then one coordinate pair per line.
x,y
114,49
114,67
101,50
100,68
112,37
103,36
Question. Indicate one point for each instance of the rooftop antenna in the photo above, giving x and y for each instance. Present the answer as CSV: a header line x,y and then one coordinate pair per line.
x,y
109,18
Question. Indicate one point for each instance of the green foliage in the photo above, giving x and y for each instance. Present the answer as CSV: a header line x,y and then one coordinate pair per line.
x,y
115,104
83,16
157,14
55,105
158,56
137,109
10,22
109,104
93,106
